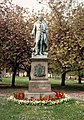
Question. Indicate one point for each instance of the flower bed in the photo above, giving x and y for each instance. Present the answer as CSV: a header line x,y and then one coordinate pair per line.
x,y
42,100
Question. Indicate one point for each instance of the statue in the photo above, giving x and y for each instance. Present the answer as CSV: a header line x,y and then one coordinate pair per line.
x,y
40,33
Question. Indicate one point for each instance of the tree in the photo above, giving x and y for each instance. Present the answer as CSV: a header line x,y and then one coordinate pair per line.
x,y
78,23
65,48
15,37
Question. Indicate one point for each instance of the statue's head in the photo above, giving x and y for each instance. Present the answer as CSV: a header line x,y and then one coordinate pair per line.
x,y
40,17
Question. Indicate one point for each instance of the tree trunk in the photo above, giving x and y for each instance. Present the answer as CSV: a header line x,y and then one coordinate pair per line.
x,y
28,73
63,79
14,75
0,76
79,77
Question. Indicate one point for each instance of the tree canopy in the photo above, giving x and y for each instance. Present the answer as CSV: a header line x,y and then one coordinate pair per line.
x,y
66,37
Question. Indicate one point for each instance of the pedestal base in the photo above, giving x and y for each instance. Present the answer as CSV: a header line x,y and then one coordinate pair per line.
x,y
39,86
37,95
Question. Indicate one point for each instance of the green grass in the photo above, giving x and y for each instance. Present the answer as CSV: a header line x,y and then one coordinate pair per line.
x,y
19,80
72,110
24,80
71,85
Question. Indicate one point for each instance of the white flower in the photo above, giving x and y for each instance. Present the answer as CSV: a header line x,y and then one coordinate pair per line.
x,y
11,98
36,102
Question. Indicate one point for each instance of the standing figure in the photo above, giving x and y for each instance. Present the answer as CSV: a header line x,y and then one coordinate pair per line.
x,y
40,33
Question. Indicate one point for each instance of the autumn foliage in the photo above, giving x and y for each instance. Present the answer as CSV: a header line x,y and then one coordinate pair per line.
x,y
66,37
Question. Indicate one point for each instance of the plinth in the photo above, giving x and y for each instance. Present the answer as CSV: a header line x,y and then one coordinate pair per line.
x,y
39,85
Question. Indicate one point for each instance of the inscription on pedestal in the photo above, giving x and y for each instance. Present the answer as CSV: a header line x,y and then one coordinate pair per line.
x,y
39,86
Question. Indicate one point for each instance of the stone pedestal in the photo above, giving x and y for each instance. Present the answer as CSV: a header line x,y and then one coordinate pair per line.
x,y
39,83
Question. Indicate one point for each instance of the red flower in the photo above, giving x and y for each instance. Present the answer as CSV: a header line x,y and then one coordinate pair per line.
x,y
31,99
58,94
19,95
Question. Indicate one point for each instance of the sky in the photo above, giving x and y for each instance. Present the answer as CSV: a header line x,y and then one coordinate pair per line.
x,y
33,4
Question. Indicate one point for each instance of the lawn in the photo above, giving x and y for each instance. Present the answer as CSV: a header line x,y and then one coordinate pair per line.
x,y
71,85
72,110
19,80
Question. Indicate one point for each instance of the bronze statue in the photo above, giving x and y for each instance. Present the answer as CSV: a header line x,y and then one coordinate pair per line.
x,y
40,33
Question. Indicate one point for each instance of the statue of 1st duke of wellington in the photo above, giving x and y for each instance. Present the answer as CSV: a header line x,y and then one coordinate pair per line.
x,y
40,33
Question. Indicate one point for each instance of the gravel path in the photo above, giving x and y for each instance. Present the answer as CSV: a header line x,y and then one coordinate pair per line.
x,y
7,91
76,95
